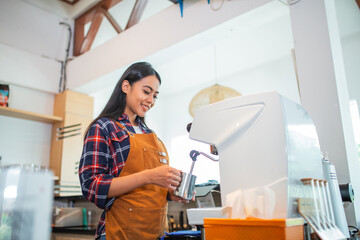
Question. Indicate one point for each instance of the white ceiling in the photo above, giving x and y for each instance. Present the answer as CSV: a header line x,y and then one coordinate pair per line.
x,y
236,45
63,9
247,41
250,40
120,12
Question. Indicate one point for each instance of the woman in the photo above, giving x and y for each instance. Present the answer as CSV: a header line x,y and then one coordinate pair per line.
x,y
124,167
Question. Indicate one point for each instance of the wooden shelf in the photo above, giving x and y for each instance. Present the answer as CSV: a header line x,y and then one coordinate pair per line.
x,y
11,112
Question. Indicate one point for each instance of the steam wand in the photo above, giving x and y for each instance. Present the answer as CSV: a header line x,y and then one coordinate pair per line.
x,y
193,156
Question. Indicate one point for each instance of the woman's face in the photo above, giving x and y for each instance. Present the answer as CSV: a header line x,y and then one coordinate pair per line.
x,y
141,96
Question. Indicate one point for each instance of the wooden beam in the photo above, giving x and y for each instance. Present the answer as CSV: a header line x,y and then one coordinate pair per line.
x,y
78,36
358,3
136,13
90,36
89,16
105,4
95,16
80,23
111,20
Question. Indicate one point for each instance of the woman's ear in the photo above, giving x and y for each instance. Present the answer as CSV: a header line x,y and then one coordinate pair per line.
x,y
125,86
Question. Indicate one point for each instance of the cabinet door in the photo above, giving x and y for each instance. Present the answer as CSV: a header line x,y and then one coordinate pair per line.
x,y
76,110
72,148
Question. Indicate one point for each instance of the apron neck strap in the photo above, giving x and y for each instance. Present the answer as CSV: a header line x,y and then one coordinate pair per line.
x,y
124,128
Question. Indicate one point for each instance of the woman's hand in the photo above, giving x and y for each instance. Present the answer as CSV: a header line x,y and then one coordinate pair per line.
x,y
164,176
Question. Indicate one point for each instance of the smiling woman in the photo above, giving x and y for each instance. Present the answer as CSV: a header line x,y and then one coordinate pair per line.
x,y
124,168
137,75
140,97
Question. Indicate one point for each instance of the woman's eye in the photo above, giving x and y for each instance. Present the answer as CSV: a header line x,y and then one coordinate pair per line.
x,y
146,92
155,96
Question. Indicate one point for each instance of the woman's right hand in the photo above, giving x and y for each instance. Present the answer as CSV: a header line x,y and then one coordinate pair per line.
x,y
164,176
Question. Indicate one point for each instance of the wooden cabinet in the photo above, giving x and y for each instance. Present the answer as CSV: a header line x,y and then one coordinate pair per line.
x,y
73,112
76,110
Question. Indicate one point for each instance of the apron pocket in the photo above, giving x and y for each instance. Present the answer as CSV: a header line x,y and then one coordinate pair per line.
x,y
146,223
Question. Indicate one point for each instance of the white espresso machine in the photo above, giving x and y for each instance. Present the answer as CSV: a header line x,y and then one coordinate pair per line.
x,y
261,139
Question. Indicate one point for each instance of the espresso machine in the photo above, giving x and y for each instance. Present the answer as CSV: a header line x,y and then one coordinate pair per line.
x,y
263,140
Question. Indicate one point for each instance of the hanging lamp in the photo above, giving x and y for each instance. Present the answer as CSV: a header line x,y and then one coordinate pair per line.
x,y
212,94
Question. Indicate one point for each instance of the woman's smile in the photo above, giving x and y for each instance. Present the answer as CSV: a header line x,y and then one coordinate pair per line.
x,y
146,108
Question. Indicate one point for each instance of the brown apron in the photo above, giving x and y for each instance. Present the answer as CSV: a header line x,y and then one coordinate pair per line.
x,y
141,213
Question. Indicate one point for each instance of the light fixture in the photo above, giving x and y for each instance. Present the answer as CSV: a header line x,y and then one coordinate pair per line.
x,y
212,94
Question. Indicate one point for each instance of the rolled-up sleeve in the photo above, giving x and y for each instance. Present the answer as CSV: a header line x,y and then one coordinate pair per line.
x,y
94,173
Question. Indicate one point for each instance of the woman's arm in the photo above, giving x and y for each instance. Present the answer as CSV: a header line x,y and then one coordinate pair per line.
x,y
93,168
164,176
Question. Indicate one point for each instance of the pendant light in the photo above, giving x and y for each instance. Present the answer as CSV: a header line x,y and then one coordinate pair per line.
x,y
212,94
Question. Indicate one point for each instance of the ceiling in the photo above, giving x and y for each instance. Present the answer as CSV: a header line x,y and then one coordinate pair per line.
x,y
71,11
63,9
217,52
252,39
239,44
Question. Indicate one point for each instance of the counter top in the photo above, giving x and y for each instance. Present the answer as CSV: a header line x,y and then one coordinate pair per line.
x,y
87,230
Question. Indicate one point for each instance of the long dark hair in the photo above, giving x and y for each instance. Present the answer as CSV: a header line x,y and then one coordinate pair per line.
x,y
116,105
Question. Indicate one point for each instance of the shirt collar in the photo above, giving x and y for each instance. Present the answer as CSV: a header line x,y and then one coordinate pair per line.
x,y
125,117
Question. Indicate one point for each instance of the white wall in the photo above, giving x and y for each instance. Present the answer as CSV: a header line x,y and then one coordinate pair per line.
x,y
351,51
324,90
348,17
24,141
19,67
31,29
31,43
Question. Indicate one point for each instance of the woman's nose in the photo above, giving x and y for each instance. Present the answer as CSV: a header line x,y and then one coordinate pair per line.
x,y
151,99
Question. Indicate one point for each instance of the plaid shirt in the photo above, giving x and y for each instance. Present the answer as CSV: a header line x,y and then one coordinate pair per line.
x,y
106,148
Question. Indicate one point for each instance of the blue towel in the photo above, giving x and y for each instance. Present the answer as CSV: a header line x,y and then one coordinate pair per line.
x,y
182,233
